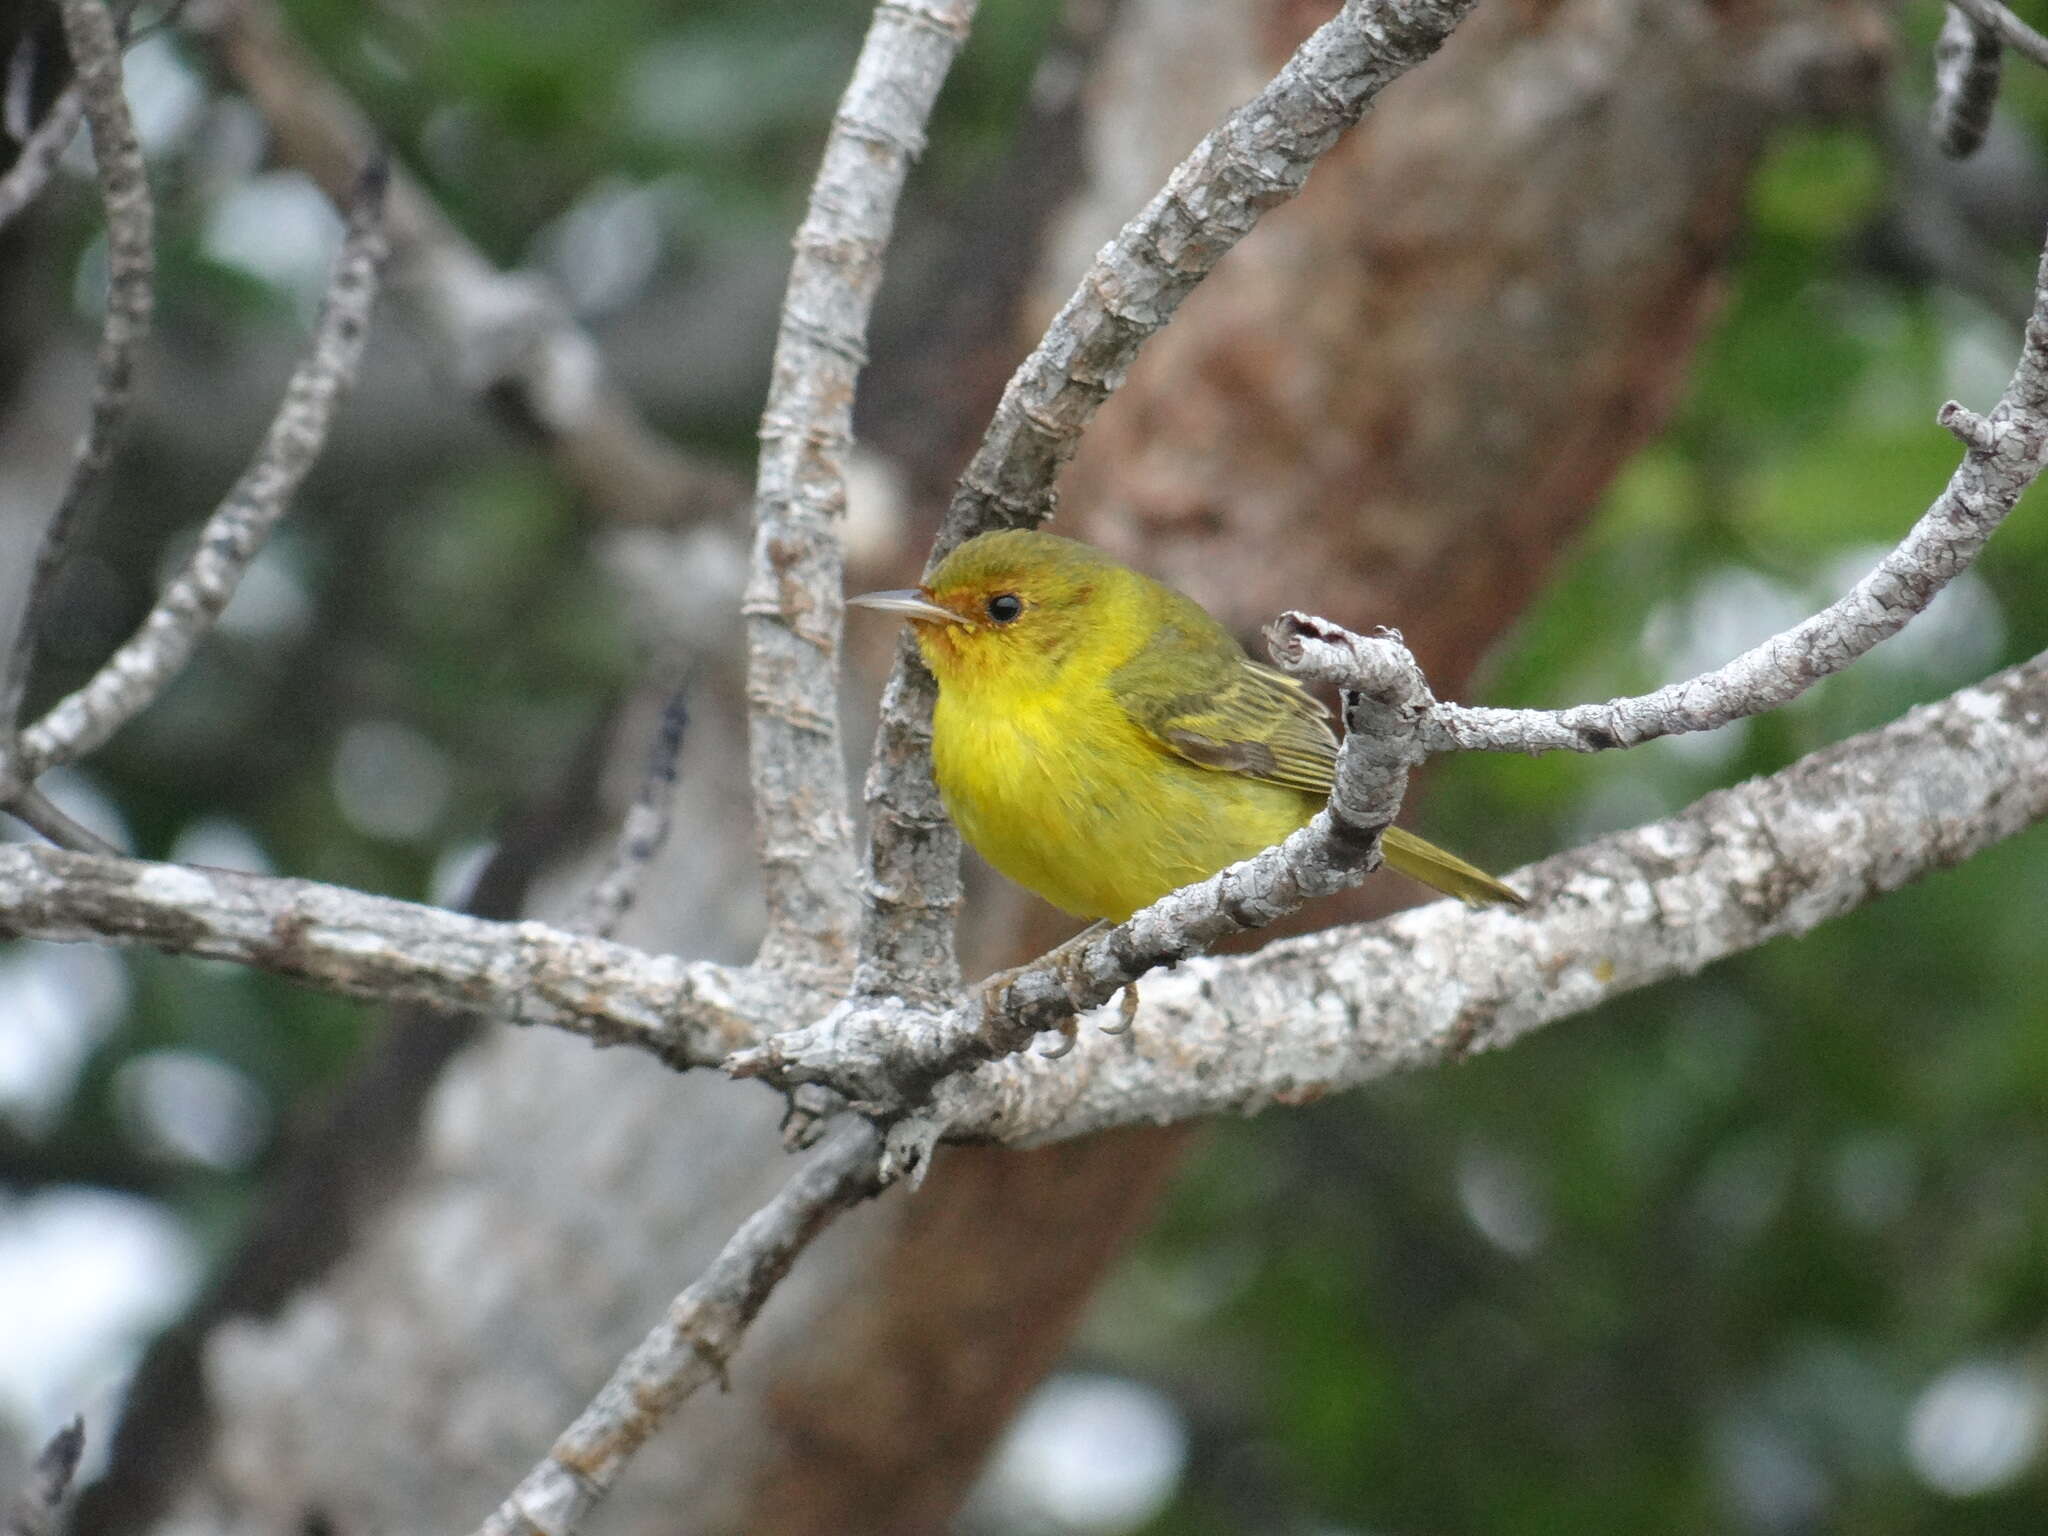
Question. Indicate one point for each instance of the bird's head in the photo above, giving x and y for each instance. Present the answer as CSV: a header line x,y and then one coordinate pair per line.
x,y
1014,606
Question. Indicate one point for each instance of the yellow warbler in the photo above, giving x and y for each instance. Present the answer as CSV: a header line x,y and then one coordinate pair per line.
x,y
1101,740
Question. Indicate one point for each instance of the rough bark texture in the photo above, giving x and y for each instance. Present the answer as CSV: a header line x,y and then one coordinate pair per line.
x,y
689,1013
1394,406
792,602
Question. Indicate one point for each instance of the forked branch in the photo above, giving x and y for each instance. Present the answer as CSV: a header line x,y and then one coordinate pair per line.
x,y
235,534
24,180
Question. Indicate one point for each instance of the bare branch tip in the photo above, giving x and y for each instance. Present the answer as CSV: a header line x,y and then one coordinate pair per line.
x,y
908,1148
1284,638
1970,429
644,831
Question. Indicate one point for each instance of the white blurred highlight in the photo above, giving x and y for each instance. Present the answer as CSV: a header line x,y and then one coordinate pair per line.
x,y
57,1001
1975,1428
389,780
1088,1455
85,1277
187,1107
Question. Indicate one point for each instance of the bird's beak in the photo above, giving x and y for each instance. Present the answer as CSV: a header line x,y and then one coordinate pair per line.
x,y
911,604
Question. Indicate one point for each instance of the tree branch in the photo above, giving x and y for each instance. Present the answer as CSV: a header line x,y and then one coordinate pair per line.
x,y
94,40
2006,452
2010,30
235,534
1258,158
1310,1016
1255,160
1773,857
508,335
24,180
793,598
1967,65
688,1013
691,1345
644,831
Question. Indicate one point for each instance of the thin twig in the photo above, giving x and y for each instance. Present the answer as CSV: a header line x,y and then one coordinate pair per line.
x,y
793,597
2005,452
2014,33
686,1013
238,529
18,89
645,828
94,40
509,337
35,1510
1967,58
1256,159
24,180
691,1344
32,808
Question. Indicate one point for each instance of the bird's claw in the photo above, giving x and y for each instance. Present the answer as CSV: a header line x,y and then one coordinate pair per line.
x,y
1126,1013
1068,1038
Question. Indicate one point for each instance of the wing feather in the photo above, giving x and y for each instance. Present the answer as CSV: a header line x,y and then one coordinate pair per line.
x,y
1213,706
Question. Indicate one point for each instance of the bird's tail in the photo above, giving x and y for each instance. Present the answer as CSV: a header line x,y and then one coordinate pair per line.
x,y
1445,872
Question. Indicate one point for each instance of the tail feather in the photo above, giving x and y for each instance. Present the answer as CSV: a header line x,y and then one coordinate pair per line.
x,y
1424,861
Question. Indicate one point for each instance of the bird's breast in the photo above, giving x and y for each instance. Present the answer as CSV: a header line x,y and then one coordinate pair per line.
x,y
1065,796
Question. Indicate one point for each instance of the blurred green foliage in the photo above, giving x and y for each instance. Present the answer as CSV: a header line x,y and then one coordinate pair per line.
x,y
1686,1265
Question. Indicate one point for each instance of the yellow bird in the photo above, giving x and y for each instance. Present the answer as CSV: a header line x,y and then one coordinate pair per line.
x,y
1101,740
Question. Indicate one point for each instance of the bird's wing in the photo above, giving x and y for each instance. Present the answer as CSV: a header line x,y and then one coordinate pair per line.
x,y
1222,710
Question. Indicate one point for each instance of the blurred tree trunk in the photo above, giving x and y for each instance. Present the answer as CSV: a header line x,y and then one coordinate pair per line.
x,y
1396,403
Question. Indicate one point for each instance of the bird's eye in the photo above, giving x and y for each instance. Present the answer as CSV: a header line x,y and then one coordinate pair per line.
x,y
1005,607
